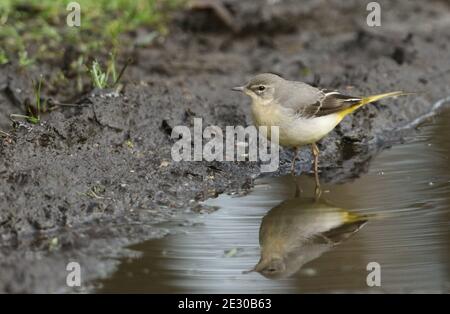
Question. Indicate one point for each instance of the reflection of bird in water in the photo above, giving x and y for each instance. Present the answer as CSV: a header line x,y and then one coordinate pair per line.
x,y
300,230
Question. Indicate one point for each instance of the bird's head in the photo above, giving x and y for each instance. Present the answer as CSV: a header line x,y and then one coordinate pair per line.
x,y
261,88
272,268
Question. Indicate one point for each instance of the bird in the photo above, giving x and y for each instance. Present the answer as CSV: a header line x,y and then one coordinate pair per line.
x,y
299,230
303,113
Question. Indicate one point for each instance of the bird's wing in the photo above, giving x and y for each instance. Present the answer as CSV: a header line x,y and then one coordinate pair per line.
x,y
307,101
343,232
334,101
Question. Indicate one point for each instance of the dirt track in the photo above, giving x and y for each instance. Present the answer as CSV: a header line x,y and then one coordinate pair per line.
x,y
99,177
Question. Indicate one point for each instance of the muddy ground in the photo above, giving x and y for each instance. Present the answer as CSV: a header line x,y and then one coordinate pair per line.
x,y
94,178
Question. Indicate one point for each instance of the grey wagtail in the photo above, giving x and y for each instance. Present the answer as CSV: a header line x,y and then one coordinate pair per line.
x,y
303,113
300,230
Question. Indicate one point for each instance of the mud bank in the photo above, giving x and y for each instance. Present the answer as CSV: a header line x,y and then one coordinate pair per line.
x,y
92,179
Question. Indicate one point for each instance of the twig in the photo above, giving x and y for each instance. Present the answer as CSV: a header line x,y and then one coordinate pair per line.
x,y
129,61
56,103
5,134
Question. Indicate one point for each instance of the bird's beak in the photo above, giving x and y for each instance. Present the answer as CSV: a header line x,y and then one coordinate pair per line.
x,y
245,272
238,88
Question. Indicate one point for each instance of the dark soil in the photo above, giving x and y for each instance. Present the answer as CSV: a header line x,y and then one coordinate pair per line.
x,y
92,179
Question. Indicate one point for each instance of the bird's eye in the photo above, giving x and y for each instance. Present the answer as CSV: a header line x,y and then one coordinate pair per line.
x,y
261,88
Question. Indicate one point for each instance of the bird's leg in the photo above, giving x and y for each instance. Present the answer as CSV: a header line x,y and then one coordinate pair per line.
x,y
298,188
293,161
315,151
317,193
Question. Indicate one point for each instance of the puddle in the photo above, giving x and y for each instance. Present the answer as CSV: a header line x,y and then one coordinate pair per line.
x,y
396,215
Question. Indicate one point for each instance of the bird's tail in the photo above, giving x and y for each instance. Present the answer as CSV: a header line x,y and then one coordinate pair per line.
x,y
369,99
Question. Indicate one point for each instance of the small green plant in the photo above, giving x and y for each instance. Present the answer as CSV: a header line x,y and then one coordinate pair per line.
x,y
98,76
34,112
106,79
24,60
112,67
3,57
77,66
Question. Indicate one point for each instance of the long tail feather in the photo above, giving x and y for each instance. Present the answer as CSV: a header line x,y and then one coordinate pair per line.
x,y
372,98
